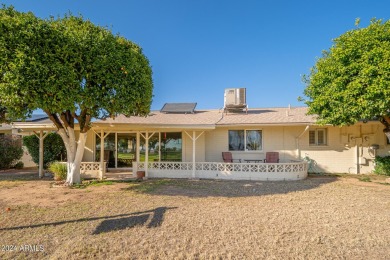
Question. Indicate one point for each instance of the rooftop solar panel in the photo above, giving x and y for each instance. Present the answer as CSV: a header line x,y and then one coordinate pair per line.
x,y
179,108
34,118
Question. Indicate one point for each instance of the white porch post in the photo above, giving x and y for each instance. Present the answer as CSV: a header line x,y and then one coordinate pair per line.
x,y
146,137
193,138
137,152
116,150
193,153
41,137
102,168
146,153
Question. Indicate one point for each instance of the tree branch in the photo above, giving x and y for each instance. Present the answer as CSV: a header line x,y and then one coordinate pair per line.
x,y
70,118
64,119
54,118
86,126
74,115
386,119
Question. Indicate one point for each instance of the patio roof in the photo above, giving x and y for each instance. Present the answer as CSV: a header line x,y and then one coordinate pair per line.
x,y
157,119
201,119
257,116
269,116
5,128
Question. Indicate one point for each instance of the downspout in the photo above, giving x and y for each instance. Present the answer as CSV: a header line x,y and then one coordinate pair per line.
x,y
297,141
357,160
357,151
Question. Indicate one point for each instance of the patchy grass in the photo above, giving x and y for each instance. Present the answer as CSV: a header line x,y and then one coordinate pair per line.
x,y
10,183
96,183
148,186
365,179
322,217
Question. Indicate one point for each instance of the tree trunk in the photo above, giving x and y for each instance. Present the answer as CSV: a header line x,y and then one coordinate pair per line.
x,y
386,122
387,133
74,153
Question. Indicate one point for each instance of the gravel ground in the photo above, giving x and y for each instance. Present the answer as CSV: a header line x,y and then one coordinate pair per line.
x,y
322,217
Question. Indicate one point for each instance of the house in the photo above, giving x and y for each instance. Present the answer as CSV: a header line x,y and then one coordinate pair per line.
x,y
188,143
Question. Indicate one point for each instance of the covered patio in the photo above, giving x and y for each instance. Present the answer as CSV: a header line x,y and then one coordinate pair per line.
x,y
188,146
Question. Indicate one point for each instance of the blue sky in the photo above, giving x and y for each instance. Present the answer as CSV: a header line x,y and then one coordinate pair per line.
x,y
198,48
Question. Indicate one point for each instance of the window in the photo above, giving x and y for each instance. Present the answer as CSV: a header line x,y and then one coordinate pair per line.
x,y
248,140
171,146
317,137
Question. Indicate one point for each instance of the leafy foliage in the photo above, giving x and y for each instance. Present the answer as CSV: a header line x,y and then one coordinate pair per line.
x,y
10,151
19,165
2,114
59,170
351,81
71,69
74,71
382,165
53,148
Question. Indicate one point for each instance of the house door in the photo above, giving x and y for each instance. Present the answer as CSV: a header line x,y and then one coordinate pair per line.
x,y
119,149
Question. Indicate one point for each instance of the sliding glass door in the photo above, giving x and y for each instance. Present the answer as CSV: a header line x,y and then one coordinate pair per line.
x,y
120,149
126,149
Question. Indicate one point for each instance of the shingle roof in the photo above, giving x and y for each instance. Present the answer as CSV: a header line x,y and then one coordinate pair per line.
x,y
260,116
209,117
255,116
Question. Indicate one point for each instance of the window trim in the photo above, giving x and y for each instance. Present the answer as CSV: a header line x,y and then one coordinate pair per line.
x,y
245,140
316,140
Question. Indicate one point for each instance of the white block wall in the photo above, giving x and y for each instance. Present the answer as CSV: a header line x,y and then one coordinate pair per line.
x,y
335,157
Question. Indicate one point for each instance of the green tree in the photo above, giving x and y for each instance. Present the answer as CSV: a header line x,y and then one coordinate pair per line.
x,y
351,81
74,71
3,110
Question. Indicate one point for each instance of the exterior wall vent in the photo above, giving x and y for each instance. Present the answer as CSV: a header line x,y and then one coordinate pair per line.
x,y
235,100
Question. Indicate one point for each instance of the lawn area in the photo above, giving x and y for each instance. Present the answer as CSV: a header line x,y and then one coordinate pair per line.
x,y
322,217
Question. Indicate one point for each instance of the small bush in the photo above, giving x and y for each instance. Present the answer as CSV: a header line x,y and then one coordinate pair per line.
x,y
10,151
59,170
382,165
19,165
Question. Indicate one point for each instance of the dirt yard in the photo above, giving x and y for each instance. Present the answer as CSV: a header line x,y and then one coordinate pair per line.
x,y
322,217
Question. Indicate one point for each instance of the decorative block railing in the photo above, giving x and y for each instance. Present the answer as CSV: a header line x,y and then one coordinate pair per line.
x,y
92,169
217,170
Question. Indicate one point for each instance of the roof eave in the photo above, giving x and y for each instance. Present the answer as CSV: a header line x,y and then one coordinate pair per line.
x,y
153,126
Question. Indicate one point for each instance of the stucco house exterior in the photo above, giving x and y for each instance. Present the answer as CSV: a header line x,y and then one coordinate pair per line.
x,y
190,145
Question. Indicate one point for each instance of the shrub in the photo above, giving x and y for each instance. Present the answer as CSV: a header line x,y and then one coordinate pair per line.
x,y
59,170
53,148
19,165
382,165
10,151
